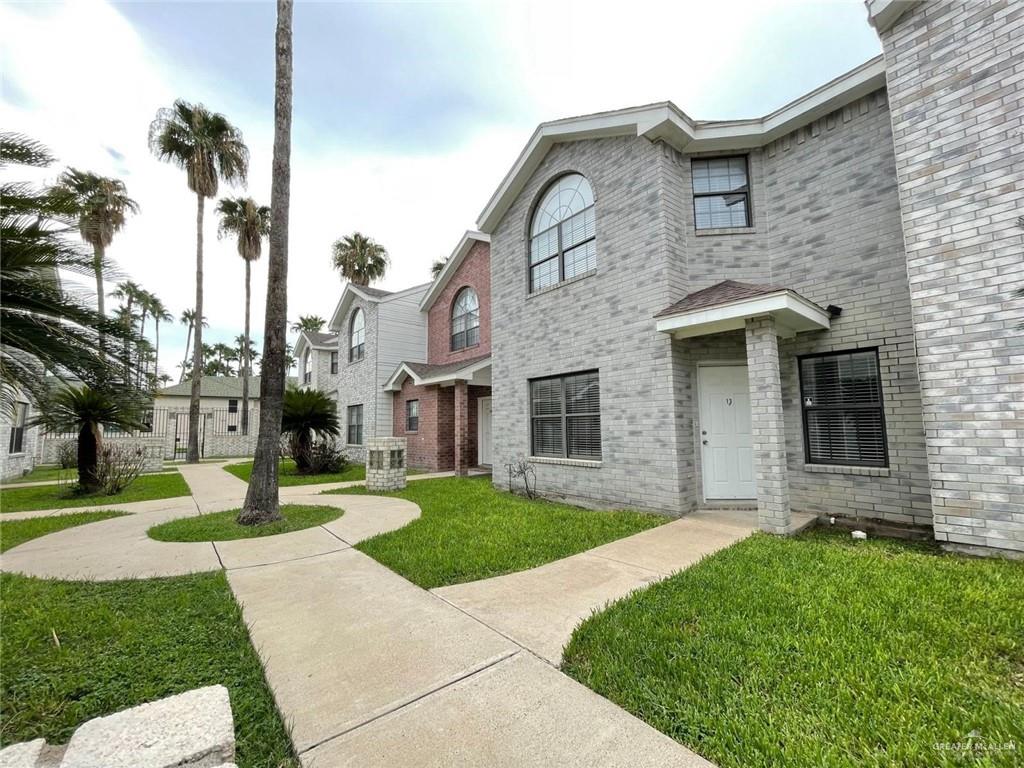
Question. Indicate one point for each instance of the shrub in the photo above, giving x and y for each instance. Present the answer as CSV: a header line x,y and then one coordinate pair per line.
x,y
119,466
325,457
67,455
307,414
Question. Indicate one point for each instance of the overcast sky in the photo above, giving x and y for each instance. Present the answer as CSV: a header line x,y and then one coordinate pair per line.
x,y
406,116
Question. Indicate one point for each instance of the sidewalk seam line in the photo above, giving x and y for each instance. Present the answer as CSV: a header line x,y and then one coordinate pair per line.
x,y
332,533
217,553
288,559
403,705
631,565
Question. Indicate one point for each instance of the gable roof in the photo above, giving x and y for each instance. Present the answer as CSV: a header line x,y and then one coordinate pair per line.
x,y
372,295
315,340
470,238
425,373
217,386
665,121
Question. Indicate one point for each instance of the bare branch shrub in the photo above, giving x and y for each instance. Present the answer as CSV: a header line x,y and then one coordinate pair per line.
x,y
119,466
522,470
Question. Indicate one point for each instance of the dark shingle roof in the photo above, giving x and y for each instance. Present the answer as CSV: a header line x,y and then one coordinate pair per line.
x,y
377,293
217,386
724,292
425,371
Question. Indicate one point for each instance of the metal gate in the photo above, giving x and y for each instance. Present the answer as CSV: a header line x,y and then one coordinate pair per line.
x,y
181,435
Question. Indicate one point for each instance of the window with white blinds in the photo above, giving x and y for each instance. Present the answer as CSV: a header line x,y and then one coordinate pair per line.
x,y
565,416
844,422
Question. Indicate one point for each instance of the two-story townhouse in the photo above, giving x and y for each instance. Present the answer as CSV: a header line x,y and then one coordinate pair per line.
x,y
377,330
319,360
697,314
702,314
442,406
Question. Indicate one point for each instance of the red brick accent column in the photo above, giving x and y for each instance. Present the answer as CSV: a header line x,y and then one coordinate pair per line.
x,y
462,447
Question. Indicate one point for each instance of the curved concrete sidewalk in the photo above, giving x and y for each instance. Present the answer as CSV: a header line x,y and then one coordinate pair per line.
x,y
367,668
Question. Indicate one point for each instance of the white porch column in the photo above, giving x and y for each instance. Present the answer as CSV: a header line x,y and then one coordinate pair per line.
x,y
767,425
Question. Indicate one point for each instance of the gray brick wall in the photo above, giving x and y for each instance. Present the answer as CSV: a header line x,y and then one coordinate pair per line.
x,y
826,222
955,73
600,321
357,381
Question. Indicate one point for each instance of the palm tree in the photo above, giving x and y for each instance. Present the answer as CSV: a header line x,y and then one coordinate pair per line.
x,y
359,259
252,351
160,315
437,266
308,413
250,223
101,204
86,411
43,327
188,317
208,148
308,323
261,500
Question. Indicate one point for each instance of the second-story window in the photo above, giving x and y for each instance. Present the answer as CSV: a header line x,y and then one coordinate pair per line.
x,y
334,362
307,376
562,233
465,320
357,336
721,192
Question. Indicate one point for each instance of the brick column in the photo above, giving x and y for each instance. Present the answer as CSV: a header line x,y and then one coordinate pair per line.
x,y
768,428
461,428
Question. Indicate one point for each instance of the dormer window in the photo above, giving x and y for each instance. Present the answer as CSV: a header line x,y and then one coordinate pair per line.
x,y
562,233
357,336
465,320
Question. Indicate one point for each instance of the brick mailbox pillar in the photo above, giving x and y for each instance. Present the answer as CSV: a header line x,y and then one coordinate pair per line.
x,y
385,464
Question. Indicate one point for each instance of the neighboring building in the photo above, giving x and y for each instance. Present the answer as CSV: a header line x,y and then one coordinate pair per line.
x,y
376,331
19,442
442,405
217,393
318,357
702,314
954,78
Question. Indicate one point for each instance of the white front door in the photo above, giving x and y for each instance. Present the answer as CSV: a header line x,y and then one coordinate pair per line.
x,y
483,441
727,451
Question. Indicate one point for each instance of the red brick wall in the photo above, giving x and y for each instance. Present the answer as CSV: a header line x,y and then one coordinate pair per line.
x,y
475,271
431,447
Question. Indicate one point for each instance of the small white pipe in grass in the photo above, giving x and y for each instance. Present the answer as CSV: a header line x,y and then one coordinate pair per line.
x,y
859,535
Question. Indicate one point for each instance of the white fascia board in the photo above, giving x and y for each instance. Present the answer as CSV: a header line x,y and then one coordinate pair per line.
x,y
463,374
666,122
882,14
394,382
793,313
451,266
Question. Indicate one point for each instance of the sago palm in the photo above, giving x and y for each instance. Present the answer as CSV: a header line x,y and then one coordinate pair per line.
x,y
249,223
86,411
359,259
307,414
101,206
208,148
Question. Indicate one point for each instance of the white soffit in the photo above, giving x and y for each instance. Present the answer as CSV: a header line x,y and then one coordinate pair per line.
x,y
793,314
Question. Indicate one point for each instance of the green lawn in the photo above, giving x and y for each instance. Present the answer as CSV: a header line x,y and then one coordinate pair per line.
x,y
125,643
817,651
289,476
221,526
56,496
15,532
471,531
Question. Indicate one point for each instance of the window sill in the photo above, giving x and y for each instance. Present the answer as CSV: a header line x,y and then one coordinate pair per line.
x,y
18,455
353,445
587,463
556,286
839,469
718,232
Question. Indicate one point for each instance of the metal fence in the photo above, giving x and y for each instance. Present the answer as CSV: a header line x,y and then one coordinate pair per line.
x,y
161,422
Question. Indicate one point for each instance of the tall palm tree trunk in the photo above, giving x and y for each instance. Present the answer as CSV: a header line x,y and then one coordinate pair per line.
x,y
192,456
156,352
261,500
100,292
245,357
184,362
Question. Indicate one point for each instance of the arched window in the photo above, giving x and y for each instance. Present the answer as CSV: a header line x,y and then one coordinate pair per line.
x,y
357,336
465,320
562,232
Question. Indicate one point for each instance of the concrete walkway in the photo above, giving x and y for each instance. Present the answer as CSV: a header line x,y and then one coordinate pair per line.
x,y
370,670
